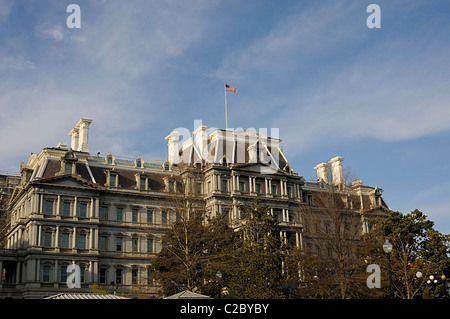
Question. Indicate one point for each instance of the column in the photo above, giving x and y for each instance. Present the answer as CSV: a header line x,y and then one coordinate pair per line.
x,y
57,237
55,275
74,238
58,206
39,237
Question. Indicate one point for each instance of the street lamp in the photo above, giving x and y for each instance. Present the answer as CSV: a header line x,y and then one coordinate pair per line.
x,y
387,247
219,279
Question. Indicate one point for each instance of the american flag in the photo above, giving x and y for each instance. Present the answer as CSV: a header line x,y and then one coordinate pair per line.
x,y
230,88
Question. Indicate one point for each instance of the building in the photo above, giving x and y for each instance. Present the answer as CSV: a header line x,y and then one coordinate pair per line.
x,y
107,215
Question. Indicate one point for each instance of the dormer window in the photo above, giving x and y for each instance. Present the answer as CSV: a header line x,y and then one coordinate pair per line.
x,y
142,182
112,178
110,159
138,162
68,163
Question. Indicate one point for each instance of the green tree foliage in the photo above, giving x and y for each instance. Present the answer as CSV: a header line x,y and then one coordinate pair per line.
x,y
419,251
257,271
192,251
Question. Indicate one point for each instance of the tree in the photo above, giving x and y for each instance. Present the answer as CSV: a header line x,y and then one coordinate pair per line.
x,y
331,263
418,251
193,246
257,269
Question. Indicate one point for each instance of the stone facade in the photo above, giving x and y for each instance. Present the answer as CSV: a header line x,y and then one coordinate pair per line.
x,y
108,215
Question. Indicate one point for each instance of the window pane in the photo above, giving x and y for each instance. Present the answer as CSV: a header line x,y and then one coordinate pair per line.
x,y
68,168
103,212
66,209
102,244
118,244
82,241
83,210
46,273
149,216
47,239
63,273
119,213
65,240
134,215
49,207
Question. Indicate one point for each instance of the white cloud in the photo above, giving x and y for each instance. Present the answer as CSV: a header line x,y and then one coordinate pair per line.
x,y
54,32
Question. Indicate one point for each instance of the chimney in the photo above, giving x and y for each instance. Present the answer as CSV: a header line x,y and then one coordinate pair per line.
x,y
336,171
83,127
74,134
201,140
322,172
172,145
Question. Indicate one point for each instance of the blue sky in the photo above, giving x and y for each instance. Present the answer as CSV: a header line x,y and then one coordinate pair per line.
x,y
380,98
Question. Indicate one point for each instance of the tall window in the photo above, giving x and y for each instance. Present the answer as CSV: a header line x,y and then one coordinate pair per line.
x,y
119,244
64,240
242,186
103,275
119,213
49,207
134,275
149,216
134,244
118,275
102,242
164,217
46,273
134,215
82,241
63,275
142,183
68,168
103,212
83,210
112,180
48,239
150,245
66,209
224,185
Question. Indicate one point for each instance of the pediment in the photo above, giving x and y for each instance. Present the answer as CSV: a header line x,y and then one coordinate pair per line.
x,y
68,180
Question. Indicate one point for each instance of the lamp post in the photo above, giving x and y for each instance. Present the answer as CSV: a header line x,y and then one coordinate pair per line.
x,y
387,247
219,279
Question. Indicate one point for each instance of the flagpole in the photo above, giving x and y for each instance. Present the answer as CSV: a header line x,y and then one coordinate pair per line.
x,y
226,114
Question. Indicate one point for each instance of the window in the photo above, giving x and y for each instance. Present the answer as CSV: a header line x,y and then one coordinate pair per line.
x,y
102,242
66,209
242,186
150,245
142,183
64,240
82,241
258,188
63,275
224,185
119,213
103,212
83,210
149,216
119,244
49,207
274,190
68,168
134,214
82,273
138,163
289,192
134,244
112,180
48,239
103,275
163,217
46,273
118,275
134,275
171,187
110,160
